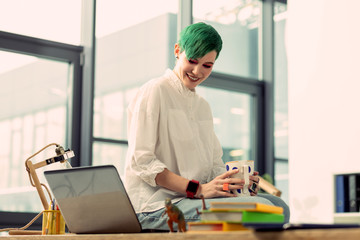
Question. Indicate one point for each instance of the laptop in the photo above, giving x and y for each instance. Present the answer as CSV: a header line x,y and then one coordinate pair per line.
x,y
93,200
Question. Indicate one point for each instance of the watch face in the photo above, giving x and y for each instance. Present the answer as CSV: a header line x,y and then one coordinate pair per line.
x,y
192,187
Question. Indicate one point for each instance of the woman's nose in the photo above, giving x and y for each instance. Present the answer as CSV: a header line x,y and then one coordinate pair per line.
x,y
196,70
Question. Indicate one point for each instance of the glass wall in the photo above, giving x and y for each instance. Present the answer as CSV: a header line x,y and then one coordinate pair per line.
x,y
237,21
34,112
56,20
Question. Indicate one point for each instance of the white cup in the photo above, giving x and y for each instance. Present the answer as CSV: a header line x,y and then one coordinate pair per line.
x,y
246,169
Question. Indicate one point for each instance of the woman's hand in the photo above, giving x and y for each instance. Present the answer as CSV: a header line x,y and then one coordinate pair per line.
x,y
215,188
254,184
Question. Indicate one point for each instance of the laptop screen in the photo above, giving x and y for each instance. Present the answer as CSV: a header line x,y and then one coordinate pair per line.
x,y
93,200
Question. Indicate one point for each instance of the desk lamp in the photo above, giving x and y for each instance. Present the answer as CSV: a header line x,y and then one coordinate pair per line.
x,y
61,156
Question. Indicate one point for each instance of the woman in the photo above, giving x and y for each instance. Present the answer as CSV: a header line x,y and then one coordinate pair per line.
x,y
173,151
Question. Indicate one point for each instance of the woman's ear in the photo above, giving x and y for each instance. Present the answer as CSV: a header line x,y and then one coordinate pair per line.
x,y
177,50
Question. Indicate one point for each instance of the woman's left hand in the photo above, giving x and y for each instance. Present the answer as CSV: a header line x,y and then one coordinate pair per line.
x,y
254,184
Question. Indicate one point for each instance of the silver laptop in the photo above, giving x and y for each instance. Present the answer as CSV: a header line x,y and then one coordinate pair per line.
x,y
93,200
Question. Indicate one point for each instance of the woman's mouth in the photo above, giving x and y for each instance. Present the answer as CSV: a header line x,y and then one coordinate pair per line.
x,y
193,79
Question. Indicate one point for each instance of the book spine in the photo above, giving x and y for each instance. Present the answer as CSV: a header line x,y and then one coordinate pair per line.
x,y
352,194
215,226
257,207
205,227
259,217
346,194
358,192
269,209
340,193
228,226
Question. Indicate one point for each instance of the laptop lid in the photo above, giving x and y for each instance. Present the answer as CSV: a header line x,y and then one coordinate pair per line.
x,y
93,200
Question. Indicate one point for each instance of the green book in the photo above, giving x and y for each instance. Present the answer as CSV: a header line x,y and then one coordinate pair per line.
x,y
241,216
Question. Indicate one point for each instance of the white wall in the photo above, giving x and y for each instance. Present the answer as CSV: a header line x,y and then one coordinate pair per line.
x,y
323,46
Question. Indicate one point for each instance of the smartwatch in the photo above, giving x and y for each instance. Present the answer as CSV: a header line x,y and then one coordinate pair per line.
x,y
192,188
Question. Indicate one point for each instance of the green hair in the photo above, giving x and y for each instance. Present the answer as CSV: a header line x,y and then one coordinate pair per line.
x,y
199,39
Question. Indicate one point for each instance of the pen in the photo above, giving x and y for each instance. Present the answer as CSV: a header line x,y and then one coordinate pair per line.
x,y
57,219
50,218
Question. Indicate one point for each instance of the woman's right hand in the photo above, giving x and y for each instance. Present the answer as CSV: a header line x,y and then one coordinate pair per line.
x,y
215,188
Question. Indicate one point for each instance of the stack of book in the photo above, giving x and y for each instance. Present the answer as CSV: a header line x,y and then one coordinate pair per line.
x,y
234,216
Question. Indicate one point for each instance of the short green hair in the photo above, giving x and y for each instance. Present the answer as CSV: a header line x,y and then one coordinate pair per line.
x,y
198,39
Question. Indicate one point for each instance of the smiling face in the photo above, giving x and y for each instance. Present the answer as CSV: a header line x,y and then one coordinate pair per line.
x,y
192,72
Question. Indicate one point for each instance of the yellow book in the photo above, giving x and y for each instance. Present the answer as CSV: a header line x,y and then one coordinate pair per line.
x,y
215,226
245,206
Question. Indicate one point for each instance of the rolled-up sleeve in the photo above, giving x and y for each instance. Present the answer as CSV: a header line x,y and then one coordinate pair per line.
x,y
143,120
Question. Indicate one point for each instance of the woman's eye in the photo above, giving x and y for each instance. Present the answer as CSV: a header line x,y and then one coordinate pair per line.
x,y
207,66
192,61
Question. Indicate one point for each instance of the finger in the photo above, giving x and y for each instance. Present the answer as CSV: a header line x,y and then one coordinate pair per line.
x,y
238,181
226,194
225,187
255,173
234,188
254,179
230,173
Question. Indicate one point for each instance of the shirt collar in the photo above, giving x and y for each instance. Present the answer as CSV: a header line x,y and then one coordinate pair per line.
x,y
178,84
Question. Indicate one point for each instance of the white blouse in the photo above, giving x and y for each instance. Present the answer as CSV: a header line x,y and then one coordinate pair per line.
x,y
169,126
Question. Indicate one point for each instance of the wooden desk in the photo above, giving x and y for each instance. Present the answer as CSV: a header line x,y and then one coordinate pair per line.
x,y
313,234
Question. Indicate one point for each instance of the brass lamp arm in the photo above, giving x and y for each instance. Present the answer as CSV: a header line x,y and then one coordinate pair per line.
x,y
62,156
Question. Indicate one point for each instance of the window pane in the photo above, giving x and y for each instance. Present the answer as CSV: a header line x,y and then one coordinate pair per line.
x,y
110,113
238,22
57,20
130,50
231,112
114,15
109,153
34,110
